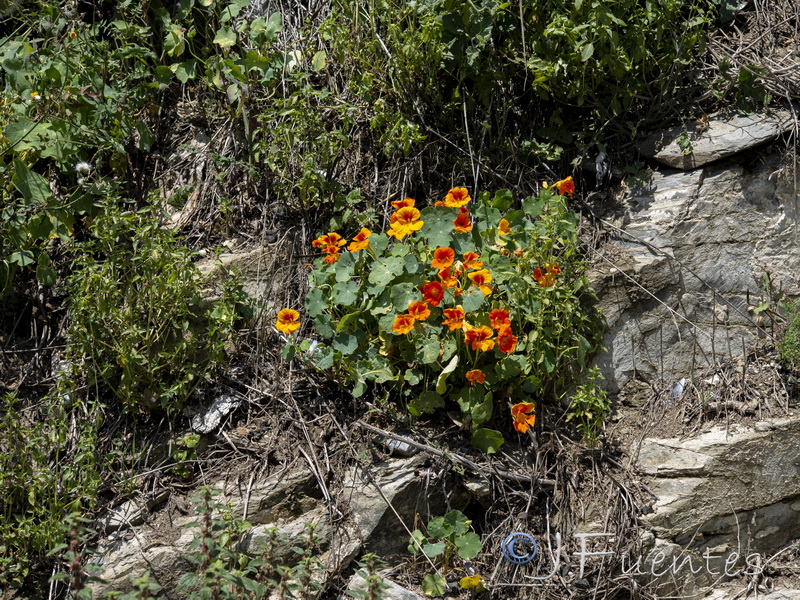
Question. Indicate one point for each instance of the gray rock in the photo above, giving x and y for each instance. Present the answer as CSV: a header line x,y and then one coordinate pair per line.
x,y
392,591
723,136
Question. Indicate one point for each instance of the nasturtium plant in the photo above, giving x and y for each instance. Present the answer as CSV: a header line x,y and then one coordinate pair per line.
x,y
478,303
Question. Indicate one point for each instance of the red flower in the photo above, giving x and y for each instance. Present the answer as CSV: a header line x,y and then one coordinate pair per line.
x,y
448,277
455,318
506,341
475,376
499,317
522,419
419,310
398,204
403,324
443,258
433,293
565,186
463,222
480,338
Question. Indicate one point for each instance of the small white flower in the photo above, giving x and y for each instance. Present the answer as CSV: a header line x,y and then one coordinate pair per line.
x,y
35,97
80,180
83,167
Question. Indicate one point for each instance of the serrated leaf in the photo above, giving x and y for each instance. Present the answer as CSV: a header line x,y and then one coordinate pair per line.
x,y
487,440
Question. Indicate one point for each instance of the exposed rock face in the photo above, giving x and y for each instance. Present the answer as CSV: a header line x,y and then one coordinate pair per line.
x,y
696,244
718,137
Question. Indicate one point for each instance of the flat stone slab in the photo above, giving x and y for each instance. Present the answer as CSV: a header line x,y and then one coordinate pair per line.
x,y
721,136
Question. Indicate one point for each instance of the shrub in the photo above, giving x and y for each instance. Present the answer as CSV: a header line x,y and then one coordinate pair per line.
x,y
140,325
481,308
789,334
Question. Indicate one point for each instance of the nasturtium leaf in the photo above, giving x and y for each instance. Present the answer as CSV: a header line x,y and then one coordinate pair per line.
x,y
45,273
434,585
502,200
468,397
419,538
487,440
403,294
186,70
358,389
428,350
346,343
322,325
399,250
438,226
346,321
23,258
412,265
274,25
482,411
426,402
289,351
325,360
385,271
509,367
433,550
472,300
458,521
413,377
533,206
378,242
345,293
469,545
441,382
315,302
440,527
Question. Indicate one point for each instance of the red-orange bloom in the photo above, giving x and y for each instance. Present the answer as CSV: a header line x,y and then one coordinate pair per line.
x,y
482,279
332,239
455,318
565,186
480,338
419,310
403,324
457,197
547,277
398,204
405,222
449,277
360,241
433,293
506,341
499,317
463,222
443,258
503,227
523,420
287,320
471,260
331,258
475,376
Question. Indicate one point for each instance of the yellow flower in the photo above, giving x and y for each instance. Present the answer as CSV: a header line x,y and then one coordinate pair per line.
x,y
287,320
360,241
403,324
503,227
405,222
474,581
523,420
457,197
482,279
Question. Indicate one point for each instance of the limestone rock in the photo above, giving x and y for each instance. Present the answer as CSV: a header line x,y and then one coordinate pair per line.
x,y
391,592
722,136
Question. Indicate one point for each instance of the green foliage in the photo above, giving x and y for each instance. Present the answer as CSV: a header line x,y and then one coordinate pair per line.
x,y
448,537
139,322
788,334
745,88
534,307
375,586
48,470
589,407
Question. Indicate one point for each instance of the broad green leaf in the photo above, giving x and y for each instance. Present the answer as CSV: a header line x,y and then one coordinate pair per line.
x,y
345,293
289,351
533,206
319,61
345,343
472,300
385,271
458,521
587,52
25,134
441,382
403,294
322,325
487,440
174,42
440,527
315,302
23,258
434,585
359,389
482,411
438,226
416,536
45,273
31,185
428,350
433,550
225,38
347,320
186,70
502,200
426,402
469,545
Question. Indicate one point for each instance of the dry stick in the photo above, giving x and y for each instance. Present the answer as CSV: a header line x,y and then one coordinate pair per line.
x,y
544,483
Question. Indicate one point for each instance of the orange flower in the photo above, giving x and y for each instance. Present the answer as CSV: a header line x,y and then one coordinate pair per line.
x,y
463,222
482,279
455,318
403,324
503,227
457,197
443,258
360,242
406,221
499,317
332,239
287,320
522,419
506,341
565,186
449,277
548,277
475,376
433,293
471,260
331,258
419,310
398,204
480,337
